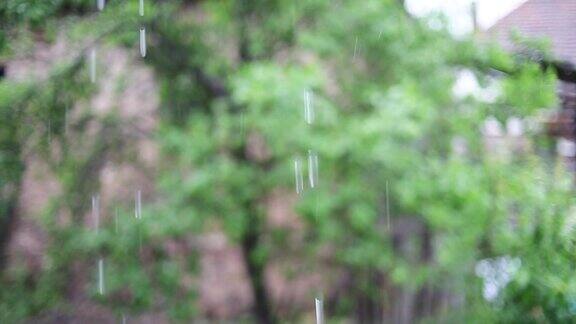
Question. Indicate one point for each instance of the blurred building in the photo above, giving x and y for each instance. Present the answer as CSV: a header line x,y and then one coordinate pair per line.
x,y
555,22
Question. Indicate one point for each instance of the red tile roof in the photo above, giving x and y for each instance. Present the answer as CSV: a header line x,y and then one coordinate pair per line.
x,y
551,19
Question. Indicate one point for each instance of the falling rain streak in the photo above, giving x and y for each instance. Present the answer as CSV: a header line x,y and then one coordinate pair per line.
x,y
142,41
298,176
96,211
141,8
138,204
92,64
308,106
100,4
101,276
312,169
319,311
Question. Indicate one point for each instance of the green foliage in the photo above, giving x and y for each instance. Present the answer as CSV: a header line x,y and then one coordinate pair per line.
x,y
37,12
529,91
231,77
14,14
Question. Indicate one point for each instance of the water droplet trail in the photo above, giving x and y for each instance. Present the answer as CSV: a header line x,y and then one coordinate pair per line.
x,y
299,178
138,204
319,311
92,64
312,169
142,41
101,276
308,106
96,211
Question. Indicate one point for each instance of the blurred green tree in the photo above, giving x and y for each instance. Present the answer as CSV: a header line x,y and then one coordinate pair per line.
x,y
232,78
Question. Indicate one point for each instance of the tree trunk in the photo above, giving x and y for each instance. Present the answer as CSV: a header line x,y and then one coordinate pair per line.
x,y
9,195
7,224
261,308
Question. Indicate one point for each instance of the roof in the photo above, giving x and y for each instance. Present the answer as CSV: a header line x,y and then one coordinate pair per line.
x,y
551,19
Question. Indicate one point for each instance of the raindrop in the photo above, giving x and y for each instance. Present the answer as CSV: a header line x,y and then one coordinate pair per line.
x,y
141,8
308,106
92,64
298,176
142,41
138,205
319,311
100,4
312,169
96,211
101,276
